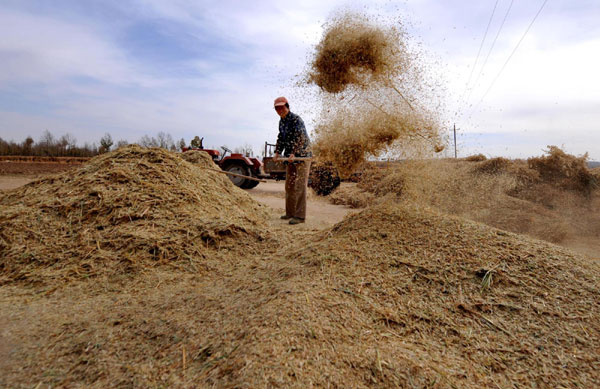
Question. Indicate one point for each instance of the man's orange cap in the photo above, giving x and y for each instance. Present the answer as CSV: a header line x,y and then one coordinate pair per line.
x,y
280,101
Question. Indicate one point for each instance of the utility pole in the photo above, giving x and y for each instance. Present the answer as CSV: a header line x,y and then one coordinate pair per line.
x,y
455,153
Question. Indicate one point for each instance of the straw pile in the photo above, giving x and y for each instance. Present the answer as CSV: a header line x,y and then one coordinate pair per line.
x,y
121,211
493,166
566,171
596,173
476,158
197,157
396,296
352,197
552,198
404,297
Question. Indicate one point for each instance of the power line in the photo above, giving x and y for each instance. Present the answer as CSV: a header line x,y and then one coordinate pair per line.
x,y
491,49
513,52
479,52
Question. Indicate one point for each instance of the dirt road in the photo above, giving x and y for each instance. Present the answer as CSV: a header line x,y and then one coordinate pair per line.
x,y
320,212
10,182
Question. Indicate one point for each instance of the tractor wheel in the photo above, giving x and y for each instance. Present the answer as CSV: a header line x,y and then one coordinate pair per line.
x,y
250,184
237,168
324,178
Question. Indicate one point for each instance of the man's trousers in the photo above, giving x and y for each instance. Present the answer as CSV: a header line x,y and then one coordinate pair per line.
x,y
296,181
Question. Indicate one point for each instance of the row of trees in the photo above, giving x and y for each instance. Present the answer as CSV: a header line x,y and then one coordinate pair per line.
x,y
48,145
66,146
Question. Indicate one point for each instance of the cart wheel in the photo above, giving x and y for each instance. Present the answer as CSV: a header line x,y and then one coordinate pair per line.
x,y
250,184
324,178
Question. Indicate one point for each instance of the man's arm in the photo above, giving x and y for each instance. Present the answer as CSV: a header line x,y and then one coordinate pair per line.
x,y
279,144
299,141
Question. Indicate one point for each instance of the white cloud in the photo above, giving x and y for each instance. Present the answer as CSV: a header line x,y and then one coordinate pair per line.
x,y
547,91
41,49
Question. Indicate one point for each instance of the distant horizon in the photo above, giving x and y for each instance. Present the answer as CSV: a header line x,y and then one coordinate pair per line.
x,y
592,163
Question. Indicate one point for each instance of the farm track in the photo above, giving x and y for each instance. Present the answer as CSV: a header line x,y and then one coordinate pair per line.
x,y
35,168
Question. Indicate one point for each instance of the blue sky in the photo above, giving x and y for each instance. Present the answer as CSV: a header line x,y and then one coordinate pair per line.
x,y
212,68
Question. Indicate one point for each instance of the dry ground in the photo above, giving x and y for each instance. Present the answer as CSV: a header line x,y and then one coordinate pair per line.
x,y
274,318
295,310
35,167
12,182
320,212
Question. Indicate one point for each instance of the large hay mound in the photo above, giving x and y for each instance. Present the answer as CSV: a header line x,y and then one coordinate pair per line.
x,y
352,197
405,297
130,208
395,296
492,166
506,194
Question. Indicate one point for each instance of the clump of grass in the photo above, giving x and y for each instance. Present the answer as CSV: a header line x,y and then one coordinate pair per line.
x,y
564,170
476,158
493,166
352,196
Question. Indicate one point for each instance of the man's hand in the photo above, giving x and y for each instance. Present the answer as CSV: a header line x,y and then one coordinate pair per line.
x,y
291,158
276,157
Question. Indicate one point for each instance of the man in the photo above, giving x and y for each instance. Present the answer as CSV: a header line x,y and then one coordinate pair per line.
x,y
293,142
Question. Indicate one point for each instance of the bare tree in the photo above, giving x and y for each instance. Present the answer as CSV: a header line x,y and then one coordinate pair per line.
x,y
121,143
69,140
91,147
246,150
27,145
181,144
162,140
146,141
165,140
47,139
106,143
48,145
65,143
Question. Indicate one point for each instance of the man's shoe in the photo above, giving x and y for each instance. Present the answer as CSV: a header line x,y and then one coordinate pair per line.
x,y
285,217
296,220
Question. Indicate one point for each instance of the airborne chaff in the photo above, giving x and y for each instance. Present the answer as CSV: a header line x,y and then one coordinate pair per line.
x,y
373,93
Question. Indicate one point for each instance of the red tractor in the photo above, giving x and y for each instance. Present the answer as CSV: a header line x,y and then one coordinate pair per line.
x,y
235,163
323,177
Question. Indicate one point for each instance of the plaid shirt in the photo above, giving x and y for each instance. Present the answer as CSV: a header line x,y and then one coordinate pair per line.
x,y
292,138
